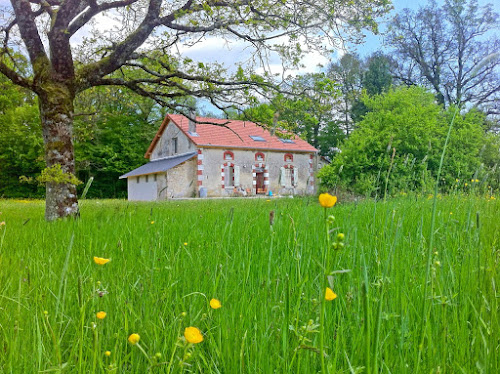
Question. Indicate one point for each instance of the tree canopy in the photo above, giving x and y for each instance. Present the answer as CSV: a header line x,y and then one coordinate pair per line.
x,y
451,49
141,53
399,142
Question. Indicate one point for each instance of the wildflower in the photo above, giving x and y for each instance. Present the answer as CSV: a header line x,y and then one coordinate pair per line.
x,y
152,222
340,237
465,184
101,315
2,223
477,180
158,355
101,261
134,339
185,243
457,180
268,200
215,304
329,294
451,212
107,353
326,200
183,314
193,335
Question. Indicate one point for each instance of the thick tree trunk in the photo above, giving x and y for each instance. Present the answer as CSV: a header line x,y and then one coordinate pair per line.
x,y
56,112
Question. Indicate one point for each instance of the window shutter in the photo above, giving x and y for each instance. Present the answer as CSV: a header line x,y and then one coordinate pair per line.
x,y
295,176
236,176
282,176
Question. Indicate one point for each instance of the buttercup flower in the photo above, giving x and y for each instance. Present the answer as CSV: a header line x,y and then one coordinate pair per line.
x,y
329,294
101,261
185,243
193,335
101,315
107,353
326,200
134,338
215,304
152,222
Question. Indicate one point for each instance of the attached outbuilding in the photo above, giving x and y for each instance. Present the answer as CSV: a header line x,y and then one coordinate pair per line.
x,y
218,157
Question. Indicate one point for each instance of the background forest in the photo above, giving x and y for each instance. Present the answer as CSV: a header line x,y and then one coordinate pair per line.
x,y
381,120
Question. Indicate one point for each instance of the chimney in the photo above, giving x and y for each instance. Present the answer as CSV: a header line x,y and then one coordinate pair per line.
x,y
192,124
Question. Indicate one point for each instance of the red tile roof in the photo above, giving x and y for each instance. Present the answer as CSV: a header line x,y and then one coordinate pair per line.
x,y
236,135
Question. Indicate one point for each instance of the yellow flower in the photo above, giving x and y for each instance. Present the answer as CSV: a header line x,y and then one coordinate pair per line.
x,y
329,294
107,353
465,184
215,304
152,222
134,338
100,315
326,200
193,335
185,243
477,180
101,261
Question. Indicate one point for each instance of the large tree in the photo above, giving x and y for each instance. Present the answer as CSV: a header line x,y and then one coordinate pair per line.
x,y
46,29
451,49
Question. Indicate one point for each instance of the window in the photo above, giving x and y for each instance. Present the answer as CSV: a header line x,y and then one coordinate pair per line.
x,y
192,133
155,177
174,145
289,176
147,178
228,155
259,156
287,141
229,176
257,138
138,179
288,157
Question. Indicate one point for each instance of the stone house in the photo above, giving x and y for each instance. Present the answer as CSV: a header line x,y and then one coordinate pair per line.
x,y
189,159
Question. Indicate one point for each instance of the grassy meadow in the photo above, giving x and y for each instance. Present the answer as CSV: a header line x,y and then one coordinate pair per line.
x,y
401,306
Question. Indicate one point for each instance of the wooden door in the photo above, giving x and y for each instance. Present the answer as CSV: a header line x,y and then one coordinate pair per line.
x,y
259,187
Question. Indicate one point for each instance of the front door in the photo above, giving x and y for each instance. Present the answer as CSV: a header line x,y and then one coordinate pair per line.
x,y
259,187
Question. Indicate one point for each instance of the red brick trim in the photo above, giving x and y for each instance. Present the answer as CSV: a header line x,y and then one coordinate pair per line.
x,y
228,153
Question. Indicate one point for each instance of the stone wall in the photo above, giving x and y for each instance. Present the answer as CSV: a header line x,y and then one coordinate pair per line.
x,y
165,146
214,176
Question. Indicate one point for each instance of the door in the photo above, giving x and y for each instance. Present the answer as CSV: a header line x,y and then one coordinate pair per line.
x,y
259,187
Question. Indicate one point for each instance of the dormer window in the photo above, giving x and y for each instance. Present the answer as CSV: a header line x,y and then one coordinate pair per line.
x,y
257,138
194,134
259,156
174,145
288,157
228,156
288,141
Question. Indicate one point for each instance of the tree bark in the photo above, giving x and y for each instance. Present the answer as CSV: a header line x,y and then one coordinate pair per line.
x,y
56,112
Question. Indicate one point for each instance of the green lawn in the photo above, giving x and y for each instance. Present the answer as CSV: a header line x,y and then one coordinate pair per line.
x,y
169,259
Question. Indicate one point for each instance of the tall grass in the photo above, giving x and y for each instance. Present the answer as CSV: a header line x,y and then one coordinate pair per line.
x,y
269,280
